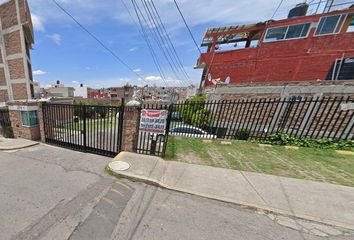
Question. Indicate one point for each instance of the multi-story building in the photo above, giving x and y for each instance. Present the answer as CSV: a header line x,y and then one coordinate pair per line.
x,y
300,48
81,91
58,90
125,92
16,39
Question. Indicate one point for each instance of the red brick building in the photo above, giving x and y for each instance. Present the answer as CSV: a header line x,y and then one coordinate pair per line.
x,y
304,48
98,94
16,39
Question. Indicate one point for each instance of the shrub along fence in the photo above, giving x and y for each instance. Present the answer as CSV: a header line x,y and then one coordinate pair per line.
x,y
257,119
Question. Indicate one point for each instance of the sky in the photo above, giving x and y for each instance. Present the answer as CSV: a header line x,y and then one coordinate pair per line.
x,y
63,51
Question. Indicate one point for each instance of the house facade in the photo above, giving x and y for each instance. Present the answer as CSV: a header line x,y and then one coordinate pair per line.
x,y
303,48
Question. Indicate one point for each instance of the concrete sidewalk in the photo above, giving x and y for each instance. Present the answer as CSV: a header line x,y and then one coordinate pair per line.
x,y
325,203
15,143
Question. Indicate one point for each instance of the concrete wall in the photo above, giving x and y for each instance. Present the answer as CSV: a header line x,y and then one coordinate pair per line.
x,y
282,89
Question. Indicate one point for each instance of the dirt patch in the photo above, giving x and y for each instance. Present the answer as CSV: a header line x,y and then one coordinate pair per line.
x,y
190,157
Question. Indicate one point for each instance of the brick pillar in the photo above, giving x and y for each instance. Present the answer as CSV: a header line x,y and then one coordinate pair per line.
x,y
20,129
130,128
41,121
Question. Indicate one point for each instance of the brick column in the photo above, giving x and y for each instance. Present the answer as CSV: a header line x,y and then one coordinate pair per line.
x,y
130,128
28,132
41,121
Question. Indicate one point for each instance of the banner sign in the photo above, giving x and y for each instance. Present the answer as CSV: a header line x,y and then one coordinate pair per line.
x,y
153,121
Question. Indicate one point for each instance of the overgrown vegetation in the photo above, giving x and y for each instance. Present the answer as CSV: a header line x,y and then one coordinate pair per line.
x,y
283,139
192,112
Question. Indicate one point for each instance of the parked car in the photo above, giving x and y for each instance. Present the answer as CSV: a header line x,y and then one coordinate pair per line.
x,y
190,131
176,116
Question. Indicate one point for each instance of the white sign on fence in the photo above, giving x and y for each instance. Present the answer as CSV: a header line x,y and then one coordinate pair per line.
x,y
153,121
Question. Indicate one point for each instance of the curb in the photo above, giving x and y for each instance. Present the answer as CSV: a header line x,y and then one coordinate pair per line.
x,y
156,183
19,147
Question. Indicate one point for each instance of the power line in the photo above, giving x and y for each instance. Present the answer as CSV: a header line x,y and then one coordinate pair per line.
x,y
170,41
145,35
146,39
99,41
189,30
161,41
139,13
276,10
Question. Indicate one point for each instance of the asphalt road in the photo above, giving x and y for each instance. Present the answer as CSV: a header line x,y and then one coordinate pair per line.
x,y
53,193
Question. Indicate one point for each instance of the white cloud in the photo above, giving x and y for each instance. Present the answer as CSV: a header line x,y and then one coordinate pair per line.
x,y
153,78
38,23
56,38
137,70
75,82
133,49
38,72
169,81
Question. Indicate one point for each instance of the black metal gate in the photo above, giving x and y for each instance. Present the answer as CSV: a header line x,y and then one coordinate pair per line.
x,y
5,123
94,129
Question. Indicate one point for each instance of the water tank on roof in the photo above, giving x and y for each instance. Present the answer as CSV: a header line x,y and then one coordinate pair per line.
x,y
299,10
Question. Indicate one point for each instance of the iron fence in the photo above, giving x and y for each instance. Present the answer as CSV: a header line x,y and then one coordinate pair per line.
x,y
5,123
4,118
94,129
319,117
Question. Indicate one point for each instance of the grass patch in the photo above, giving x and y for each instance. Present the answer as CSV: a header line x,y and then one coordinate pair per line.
x,y
323,165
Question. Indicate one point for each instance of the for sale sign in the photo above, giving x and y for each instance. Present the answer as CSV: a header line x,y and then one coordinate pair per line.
x,y
153,121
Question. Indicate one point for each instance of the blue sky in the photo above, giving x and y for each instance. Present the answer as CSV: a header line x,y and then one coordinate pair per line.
x,y
62,51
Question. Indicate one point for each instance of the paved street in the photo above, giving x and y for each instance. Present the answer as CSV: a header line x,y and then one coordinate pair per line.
x,y
53,193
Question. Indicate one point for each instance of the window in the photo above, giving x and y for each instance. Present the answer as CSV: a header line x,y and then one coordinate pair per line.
x,y
287,32
29,118
298,31
274,34
330,24
351,26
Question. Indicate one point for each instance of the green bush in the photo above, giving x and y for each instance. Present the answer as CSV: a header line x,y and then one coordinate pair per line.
x,y
242,134
202,118
282,139
192,112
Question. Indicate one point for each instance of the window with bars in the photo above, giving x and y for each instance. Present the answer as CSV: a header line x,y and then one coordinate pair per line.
x,y
29,118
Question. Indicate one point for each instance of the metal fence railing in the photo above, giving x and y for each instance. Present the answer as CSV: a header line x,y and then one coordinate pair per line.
x,y
251,119
330,117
